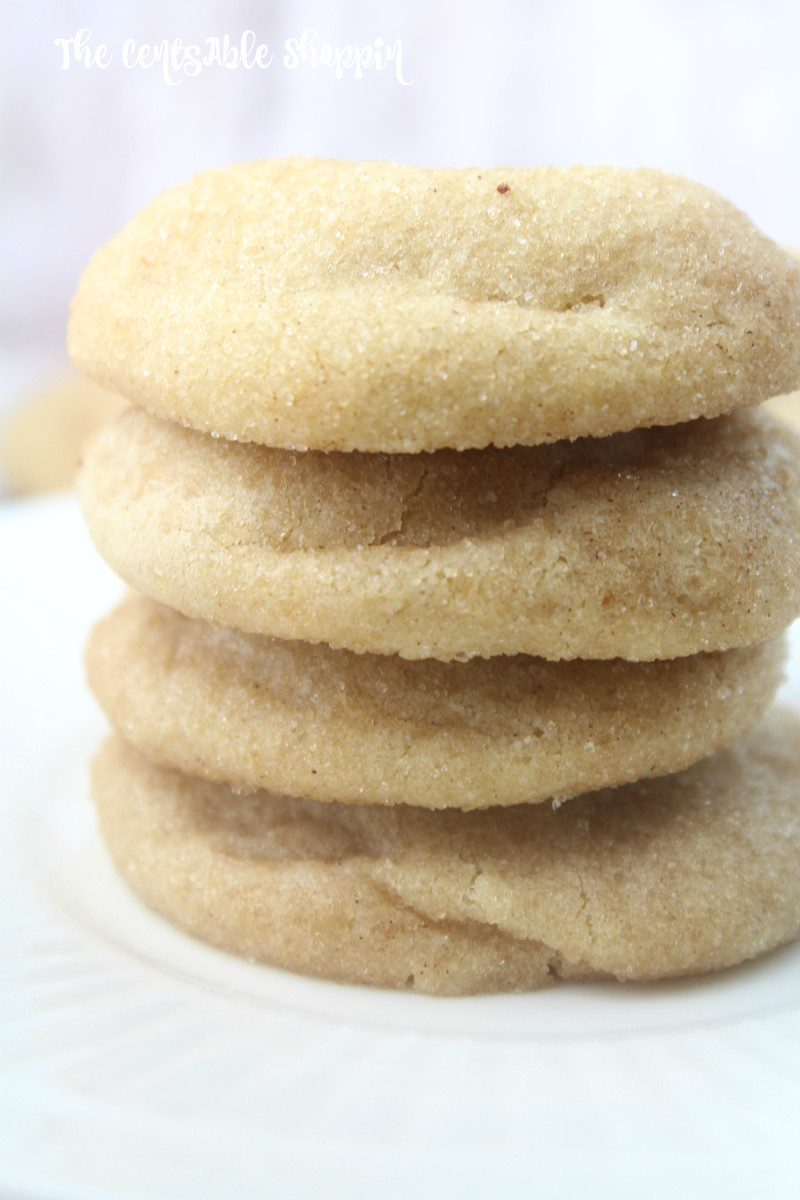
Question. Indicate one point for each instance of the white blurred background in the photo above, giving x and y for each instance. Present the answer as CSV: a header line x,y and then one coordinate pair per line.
x,y
706,88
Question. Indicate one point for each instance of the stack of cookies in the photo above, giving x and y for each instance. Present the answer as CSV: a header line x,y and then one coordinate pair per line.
x,y
461,568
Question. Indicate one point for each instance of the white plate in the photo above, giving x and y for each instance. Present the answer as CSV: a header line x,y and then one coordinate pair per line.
x,y
138,1063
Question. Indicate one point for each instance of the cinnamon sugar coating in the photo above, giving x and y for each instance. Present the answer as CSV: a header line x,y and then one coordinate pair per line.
x,y
369,306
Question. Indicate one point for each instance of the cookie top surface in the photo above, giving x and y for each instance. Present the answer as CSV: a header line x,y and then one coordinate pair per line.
x,y
667,877
369,306
651,544
307,720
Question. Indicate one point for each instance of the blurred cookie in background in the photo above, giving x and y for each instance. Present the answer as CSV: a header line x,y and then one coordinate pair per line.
x,y
786,407
42,438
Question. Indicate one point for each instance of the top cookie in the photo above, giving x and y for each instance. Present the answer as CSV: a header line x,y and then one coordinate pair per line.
x,y
376,307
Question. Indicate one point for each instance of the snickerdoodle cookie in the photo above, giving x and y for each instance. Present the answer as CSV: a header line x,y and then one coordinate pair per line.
x,y
369,306
332,725
672,876
652,544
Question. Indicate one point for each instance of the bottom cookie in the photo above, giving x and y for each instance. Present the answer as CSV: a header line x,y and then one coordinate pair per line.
x,y
673,876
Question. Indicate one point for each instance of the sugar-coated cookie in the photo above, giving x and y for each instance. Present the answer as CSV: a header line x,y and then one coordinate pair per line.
x,y
667,877
652,544
369,306
306,720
